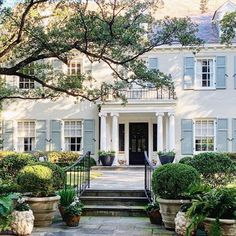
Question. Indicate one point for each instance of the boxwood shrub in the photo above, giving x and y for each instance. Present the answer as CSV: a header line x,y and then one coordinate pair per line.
x,y
12,163
37,179
216,169
172,181
186,160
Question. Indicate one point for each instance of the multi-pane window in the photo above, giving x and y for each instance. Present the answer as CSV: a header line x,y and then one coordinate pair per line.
x,y
25,83
26,136
205,73
204,135
73,135
74,68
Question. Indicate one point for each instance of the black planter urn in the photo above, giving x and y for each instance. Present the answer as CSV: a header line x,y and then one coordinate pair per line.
x,y
164,159
107,160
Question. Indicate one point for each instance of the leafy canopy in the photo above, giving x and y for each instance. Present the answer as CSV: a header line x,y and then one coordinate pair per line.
x,y
111,32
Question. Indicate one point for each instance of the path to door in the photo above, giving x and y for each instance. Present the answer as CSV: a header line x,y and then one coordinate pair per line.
x,y
119,178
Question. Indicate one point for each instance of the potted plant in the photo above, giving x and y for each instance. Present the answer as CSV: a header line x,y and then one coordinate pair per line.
x,y
73,213
22,218
153,212
67,197
166,157
6,207
216,209
122,161
170,183
41,182
106,157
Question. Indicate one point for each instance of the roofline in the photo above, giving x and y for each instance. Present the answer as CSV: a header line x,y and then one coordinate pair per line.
x,y
229,1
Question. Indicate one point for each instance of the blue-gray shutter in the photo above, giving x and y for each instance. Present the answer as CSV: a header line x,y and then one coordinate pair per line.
x,y
41,135
55,135
89,136
186,136
235,72
221,72
8,143
234,136
189,72
222,135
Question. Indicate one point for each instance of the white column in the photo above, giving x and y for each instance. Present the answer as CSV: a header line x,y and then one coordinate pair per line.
x,y
115,136
103,132
171,131
159,131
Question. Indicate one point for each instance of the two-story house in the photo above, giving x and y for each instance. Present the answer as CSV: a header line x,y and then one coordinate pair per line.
x,y
198,117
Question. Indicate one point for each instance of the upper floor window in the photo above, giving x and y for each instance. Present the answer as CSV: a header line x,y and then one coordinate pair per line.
x,y
26,83
205,77
204,135
74,68
73,135
26,136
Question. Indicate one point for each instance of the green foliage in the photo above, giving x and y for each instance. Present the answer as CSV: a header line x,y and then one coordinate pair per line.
x,y
217,203
172,181
21,205
168,153
75,208
6,207
62,157
231,155
12,163
228,26
4,154
216,169
58,174
37,179
8,186
67,196
106,153
152,206
185,160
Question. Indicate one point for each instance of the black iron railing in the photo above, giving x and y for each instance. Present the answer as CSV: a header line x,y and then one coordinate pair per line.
x,y
78,174
149,168
162,93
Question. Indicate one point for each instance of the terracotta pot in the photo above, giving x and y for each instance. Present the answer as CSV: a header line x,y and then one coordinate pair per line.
x,y
62,212
44,209
168,209
228,227
155,217
72,220
22,222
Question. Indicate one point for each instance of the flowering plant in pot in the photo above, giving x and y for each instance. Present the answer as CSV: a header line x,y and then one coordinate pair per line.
x,y
106,157
73,213
170,183
42,181
67,197
166,157
153,212
22,218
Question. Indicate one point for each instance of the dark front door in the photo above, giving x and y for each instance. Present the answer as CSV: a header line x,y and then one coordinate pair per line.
x,y
138,142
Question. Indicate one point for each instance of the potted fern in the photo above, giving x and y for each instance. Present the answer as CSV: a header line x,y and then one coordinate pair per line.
x,y
106,157
216,209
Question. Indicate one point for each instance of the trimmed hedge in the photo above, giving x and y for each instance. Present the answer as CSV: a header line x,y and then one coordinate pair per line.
x,y
172,181
12,163
37,179
185,160
216,169
231,155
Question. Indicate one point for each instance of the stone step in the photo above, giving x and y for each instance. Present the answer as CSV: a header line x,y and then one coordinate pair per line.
x,y
114,201
135,211
114,193
118,168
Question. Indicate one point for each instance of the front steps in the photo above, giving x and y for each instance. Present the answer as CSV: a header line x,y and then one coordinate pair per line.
x,y
114,202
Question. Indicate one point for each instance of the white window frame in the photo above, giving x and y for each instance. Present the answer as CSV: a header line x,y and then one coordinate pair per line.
x,y
76,61
194,132
63,134
17,136
196,79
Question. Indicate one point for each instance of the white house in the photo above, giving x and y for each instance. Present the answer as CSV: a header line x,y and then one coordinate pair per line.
x,y
198,117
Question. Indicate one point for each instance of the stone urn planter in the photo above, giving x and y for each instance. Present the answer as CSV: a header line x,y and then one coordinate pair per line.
x,y
168,209
22,222
43,209
228,227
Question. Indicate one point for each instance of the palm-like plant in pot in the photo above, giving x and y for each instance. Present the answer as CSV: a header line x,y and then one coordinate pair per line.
x,y
40,182
106,157
216,209
170,183
166,157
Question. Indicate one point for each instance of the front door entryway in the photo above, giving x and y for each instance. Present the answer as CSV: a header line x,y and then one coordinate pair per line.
x,y
138,142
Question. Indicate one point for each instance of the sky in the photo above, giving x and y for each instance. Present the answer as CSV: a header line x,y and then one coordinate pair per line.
x,y
9,3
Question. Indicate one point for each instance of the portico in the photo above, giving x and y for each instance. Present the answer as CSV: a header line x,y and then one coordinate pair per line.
x,y
132,129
